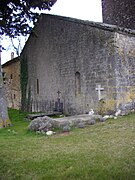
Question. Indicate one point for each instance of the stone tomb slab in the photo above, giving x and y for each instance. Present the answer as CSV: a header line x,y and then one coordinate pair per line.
x,y
46,123
74,120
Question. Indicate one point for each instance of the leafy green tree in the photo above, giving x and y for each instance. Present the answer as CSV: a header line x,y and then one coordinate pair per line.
x,y
15,18
15,15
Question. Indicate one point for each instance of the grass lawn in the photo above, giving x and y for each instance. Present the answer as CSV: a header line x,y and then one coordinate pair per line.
x,y
102,151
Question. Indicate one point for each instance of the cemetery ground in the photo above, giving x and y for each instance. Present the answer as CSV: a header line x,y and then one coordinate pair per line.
x,y
101,151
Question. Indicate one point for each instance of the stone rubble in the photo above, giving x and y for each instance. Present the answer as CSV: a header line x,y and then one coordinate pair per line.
x,y
45,124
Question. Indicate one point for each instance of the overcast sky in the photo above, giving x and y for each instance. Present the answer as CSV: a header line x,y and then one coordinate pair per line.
x,y
80,9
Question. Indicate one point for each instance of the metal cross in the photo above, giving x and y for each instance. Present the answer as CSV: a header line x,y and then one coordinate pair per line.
x,y
58,94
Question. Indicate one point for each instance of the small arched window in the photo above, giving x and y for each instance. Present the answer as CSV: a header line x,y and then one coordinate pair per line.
x,y
77,83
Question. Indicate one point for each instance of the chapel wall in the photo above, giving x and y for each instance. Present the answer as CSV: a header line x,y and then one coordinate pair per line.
x,y
125,68
62,48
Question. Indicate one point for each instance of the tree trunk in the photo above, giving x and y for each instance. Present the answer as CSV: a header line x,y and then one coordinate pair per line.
x,y
4,119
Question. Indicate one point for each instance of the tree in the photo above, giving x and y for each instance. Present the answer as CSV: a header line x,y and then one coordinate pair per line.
x,y
15,18
17,44
4,120
15,15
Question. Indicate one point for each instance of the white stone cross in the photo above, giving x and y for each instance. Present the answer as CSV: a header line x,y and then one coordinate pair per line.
x,y
99,89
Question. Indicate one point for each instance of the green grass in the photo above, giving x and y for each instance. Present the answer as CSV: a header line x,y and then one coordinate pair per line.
x,y
103,151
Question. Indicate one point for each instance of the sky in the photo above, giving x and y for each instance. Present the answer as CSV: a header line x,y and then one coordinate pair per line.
x,y
81,9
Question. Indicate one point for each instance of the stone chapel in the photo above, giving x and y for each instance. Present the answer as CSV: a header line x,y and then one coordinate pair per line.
x,y
70,65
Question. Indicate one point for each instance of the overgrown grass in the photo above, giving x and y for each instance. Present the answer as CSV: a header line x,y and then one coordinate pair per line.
x,y
103,151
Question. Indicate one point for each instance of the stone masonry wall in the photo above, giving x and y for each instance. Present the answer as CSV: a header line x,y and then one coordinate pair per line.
x,y
119,12
11,71
58,50
125,68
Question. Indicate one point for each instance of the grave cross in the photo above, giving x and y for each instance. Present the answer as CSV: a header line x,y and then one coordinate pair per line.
x,y
99,89
58,104
58,94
